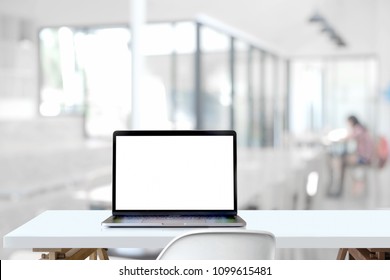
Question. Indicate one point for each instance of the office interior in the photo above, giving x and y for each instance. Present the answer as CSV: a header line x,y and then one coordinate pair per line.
x,y
285,75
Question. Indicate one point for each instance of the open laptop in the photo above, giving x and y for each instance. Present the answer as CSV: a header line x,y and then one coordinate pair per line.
x,y
174,179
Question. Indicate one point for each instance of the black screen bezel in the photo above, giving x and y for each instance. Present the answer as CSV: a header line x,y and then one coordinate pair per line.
x,y
174,133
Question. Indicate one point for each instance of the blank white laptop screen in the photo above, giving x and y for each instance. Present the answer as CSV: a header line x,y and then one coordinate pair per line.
x,y
174,172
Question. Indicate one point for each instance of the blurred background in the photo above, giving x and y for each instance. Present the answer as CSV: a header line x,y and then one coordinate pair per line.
x,y
284,74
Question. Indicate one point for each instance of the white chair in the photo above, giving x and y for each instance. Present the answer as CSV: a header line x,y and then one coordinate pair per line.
x,y
219,244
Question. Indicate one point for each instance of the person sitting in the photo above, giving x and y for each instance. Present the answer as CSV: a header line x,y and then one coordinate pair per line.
x,y
362,156
364,143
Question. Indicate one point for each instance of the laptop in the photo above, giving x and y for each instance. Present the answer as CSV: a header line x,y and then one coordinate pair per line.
x,y
174,179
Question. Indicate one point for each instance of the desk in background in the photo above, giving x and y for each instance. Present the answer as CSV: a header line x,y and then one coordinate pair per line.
x,y
78,234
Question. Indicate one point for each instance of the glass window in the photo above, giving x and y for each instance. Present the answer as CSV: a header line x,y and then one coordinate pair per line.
x,y
104,57
256,93
158,65
242,112
62,79
306,92
325,92
215,79
349,90
169,66
158,39
269,98
184,37
280,101
87,70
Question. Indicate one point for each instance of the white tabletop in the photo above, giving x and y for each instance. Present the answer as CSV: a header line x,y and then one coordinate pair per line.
x,y
293,229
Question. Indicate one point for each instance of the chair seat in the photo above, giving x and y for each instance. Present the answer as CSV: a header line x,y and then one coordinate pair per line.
x,y
221,244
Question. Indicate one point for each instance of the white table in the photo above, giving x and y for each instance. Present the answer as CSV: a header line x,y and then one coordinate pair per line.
x,y
292,229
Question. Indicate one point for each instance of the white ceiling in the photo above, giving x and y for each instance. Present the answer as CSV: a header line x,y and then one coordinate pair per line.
x,y
283,23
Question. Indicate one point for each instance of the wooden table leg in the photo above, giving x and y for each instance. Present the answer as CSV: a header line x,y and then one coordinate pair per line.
x,y
79,254
342,253
360,254
102,253
93,256
72,254
363,253
52,253
380,253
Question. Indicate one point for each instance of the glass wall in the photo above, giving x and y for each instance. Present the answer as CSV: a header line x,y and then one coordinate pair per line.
x,y
257,93
87,71
216,85
242,99
238,87
269,98
61,81
183,76
105,59
197,76
169,73
281,102
324,92
349,88
158,86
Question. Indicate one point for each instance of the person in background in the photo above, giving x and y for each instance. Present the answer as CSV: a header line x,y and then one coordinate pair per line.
x,y
364,143
362,156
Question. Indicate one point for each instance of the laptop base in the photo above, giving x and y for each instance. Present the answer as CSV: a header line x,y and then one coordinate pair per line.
x,y
174,221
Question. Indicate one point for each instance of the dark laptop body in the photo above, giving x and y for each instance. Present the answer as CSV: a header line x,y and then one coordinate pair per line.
x,y
178,178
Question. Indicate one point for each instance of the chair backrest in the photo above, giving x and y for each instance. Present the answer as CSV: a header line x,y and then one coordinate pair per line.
x,y
223,244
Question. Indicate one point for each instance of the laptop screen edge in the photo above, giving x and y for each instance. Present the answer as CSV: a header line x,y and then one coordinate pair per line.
x,y
205,212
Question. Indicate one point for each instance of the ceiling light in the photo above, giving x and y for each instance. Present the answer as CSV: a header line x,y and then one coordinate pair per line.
x,y
325,27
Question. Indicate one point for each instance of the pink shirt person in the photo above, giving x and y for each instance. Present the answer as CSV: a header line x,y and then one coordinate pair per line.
x,y
364,141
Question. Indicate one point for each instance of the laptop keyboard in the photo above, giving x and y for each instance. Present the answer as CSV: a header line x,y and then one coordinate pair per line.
x,y
173,218
173,221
